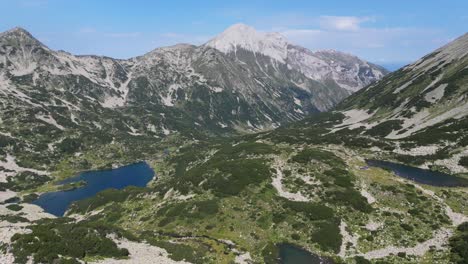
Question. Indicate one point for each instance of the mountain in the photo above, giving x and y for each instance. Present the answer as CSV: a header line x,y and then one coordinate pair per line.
x,y
209,88
422,108
329,67
425,93
431,91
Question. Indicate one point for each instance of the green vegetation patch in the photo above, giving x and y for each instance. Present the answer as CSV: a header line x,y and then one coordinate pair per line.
x,y
13,219
58,240
313,211
250,148
193,253
23,181
327,235
105,197
227,172
310,154
187,211
233,176
349,197
270,253
14,207
464,161
225,177
385,128
459,245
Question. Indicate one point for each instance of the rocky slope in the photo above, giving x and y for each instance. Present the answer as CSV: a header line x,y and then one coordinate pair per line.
x,y
426,93
329,67
422,108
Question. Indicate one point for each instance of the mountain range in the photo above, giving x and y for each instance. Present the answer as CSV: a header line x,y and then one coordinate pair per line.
x,y
241,79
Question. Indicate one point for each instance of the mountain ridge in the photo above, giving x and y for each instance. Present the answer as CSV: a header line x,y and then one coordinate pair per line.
x,y
115,79
316,65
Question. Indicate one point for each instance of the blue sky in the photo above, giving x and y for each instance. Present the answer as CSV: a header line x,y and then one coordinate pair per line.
x,y
384,32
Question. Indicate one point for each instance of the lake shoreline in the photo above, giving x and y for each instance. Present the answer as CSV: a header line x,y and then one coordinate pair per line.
x,y
58,202
422,176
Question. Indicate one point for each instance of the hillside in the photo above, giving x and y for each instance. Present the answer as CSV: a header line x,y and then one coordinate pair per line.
x,y
421,108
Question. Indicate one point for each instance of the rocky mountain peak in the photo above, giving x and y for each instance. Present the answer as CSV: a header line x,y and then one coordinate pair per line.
x,y
20,35
16,31
246,37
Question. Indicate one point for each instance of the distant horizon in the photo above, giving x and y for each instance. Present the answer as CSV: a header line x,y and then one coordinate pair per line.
x,y
388,34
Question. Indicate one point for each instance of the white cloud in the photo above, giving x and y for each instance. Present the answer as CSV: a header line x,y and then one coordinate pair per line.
x,y
345,23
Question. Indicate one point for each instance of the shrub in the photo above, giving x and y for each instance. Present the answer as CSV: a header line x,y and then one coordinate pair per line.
x,y
30,197
13,218
385,128
54,240
350,197
270,254
295,236
401,254
407,227
328,236
24,181
313,211
361,260
307,155
14,207
233,176
105,197
188,210
459,245
464,161
193,253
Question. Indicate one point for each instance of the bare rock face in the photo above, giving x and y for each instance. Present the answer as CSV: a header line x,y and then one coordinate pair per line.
x,y
428,96
327,66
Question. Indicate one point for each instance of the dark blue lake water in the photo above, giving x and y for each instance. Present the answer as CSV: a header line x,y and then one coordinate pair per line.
x,y
56,203
290,254
423,176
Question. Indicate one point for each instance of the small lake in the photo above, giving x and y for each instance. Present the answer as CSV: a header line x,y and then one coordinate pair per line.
x,y
291,254
56,203
423,176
